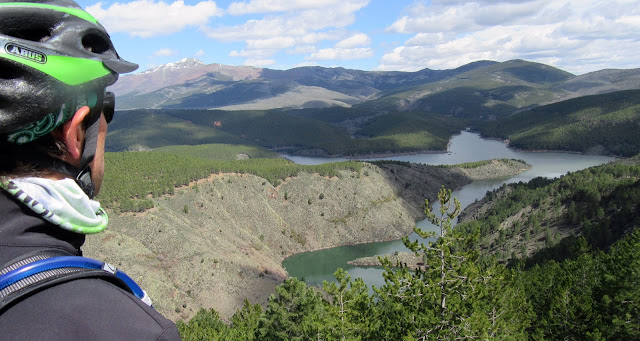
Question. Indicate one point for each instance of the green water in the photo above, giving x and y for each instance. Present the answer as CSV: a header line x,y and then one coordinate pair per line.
x,y
318,266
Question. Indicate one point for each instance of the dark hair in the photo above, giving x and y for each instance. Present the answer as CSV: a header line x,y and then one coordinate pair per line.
x,y
13,163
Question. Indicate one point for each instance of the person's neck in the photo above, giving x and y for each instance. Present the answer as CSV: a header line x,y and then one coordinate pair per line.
x,y
52,175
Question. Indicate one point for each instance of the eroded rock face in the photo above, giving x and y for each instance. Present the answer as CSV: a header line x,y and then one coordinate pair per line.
x,y
213,244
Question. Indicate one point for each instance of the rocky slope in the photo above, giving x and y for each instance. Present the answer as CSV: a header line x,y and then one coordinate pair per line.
x,y
223,239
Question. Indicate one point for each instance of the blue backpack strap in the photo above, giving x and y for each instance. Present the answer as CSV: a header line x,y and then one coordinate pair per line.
x,y
44,270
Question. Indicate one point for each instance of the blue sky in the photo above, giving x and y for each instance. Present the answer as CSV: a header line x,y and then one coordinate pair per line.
x,y
578,36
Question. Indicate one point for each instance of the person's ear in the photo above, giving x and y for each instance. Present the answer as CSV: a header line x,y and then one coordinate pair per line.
x,y
72,133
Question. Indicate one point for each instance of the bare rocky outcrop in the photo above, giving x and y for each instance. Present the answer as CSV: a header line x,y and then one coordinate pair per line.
x,y
223,239
410,259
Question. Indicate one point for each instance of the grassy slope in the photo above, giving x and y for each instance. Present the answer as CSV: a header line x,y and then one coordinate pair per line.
x,y
581,124
219,151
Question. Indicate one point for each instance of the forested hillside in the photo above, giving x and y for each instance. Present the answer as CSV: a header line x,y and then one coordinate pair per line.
x,y
478,89
548,259
209,233
559,257
454,294
495,90
220,151
321,132
410,112
135,178
606,123
544,219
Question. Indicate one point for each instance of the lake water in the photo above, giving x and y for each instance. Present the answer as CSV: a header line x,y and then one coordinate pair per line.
x,y
318,266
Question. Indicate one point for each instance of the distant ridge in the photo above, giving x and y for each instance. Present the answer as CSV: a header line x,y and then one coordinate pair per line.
x,y
180,72
182,64
189,83
479,89
604,81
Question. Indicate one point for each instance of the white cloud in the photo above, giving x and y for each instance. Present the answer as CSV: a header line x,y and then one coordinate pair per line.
x,y
291,24
164,53
466,16
267,6
250,30
250,54
148,18
199,54
271,43
302,49
428,39
253,53
356,40
316,37
259,62
306,63
341,54
575,36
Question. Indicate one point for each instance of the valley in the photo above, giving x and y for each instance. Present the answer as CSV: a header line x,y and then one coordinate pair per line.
x,y
222,239
533,106
205,211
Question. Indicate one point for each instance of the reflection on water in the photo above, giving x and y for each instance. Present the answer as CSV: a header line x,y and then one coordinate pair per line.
x,y
317,266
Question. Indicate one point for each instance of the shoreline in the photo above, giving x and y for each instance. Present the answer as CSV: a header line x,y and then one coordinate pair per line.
x,y
563,151
411,260
405,233
383,155
251,268
363,157
507,143
341,245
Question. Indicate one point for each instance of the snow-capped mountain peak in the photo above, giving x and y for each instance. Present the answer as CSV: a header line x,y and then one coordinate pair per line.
x,y
182,64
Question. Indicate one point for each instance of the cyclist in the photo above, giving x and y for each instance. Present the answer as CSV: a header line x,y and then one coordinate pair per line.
x,y
56,61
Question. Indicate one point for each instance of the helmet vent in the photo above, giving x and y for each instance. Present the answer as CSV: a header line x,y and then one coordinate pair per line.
x,y
95,43
9,71
32,28
33,34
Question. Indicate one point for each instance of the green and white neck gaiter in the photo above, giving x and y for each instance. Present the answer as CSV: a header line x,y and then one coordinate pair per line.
x,y
61,202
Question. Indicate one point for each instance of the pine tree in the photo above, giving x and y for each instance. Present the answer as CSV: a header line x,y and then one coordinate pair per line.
x,y
205,325
349,307
621,288
452,296
244,323
294,312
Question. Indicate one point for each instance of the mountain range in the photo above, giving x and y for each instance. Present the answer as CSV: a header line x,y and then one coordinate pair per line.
x,y
482,88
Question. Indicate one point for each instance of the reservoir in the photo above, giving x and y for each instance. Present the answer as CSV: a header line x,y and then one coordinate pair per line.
x,y
318,266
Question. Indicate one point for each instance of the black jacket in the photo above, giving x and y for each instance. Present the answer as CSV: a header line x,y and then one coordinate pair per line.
x,y
82,309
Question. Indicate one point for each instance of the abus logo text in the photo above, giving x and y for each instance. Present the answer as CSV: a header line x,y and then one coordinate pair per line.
x,y
26,53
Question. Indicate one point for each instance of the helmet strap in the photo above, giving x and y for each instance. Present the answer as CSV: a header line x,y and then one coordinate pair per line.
x,y
83,174
83,179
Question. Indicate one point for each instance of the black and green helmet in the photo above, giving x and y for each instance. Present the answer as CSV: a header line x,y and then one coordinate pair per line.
x,y
54,59
51,52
